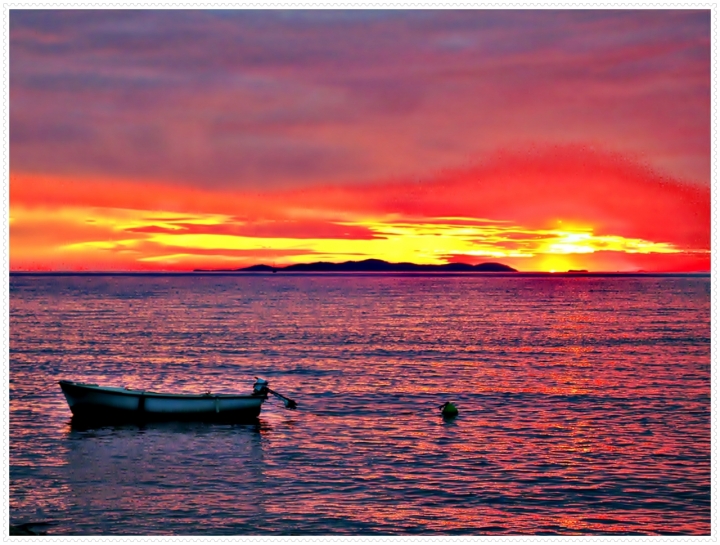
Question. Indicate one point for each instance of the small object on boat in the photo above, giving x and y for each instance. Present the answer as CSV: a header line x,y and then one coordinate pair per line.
x,y
261,387
90,402
449,409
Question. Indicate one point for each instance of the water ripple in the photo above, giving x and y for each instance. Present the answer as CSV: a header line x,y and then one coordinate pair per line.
x,y
584,405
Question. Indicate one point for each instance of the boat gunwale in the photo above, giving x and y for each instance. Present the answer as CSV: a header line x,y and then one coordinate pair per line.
x,y
137,393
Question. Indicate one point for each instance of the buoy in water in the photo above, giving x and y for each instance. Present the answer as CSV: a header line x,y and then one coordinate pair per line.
x,y
449,409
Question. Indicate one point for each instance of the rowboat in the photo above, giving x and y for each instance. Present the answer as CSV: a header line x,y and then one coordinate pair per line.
x,y
100,403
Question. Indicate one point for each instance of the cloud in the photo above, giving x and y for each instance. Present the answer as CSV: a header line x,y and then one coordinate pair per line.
x,y
537,188
266,229
513,203
256,99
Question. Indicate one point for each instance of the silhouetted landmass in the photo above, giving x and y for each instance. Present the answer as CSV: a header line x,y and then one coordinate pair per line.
x,y
257,268
373,265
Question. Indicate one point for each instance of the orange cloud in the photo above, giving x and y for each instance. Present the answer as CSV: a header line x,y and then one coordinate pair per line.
x,y
576,185
266,229
578,205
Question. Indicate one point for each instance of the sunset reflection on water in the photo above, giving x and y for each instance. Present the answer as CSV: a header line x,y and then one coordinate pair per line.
x,y
584,405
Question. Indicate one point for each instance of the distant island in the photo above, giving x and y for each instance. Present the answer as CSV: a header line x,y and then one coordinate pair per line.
x,y
370,265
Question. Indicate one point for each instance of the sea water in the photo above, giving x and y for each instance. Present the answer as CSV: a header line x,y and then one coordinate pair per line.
x,y
584,404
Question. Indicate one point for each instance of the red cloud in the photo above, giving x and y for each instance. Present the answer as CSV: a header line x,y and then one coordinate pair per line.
x,y
576,185
542,189
267,229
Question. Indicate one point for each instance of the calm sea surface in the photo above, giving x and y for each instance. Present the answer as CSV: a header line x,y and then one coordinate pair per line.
x,y
584,404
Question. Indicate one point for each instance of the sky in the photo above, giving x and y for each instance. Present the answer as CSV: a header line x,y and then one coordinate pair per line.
x,y
546,140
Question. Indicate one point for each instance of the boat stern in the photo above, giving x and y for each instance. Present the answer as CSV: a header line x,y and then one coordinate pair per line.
x,y
261,387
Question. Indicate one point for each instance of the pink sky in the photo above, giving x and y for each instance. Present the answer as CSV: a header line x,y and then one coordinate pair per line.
x,y
274,132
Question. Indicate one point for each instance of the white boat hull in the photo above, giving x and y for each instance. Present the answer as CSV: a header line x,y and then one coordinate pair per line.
x,y
93,402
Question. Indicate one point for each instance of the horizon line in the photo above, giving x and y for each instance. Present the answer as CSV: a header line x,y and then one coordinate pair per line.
x,y
259,273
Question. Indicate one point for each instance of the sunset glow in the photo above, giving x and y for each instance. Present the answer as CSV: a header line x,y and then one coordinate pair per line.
x,y
140,157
